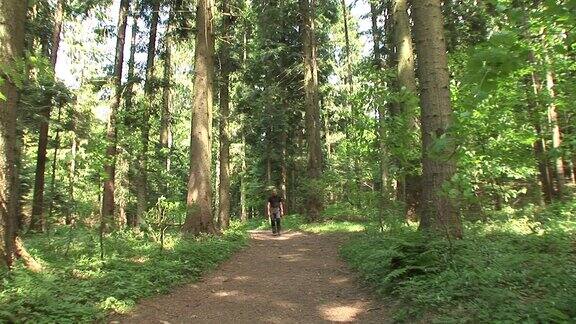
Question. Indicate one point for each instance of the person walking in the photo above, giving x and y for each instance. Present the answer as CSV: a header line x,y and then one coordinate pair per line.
x,y
275,211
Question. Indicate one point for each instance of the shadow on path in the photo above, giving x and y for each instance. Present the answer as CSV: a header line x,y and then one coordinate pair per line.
x,y
293,278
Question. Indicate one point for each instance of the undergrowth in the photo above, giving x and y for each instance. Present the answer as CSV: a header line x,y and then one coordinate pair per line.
x,y
76,286
519,268
298,223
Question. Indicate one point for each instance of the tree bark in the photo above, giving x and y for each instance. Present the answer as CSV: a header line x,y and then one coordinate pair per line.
x,y
108,203
166,118
12,19
199,199
559,172
376,36
72,168
38,217
314,203
142,188
243,177
349,78
438,212
54,164
224,187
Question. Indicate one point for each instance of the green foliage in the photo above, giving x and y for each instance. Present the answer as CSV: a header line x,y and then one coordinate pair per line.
x,y
515,269
77,286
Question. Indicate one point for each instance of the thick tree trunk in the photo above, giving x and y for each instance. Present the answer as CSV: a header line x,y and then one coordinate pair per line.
x,y
314,203
438,212
166,117
224,188
407,184
142,189
199,199
12,18
38,217
108,204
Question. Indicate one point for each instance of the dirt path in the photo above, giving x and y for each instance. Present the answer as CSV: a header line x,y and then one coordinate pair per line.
x,y
294,278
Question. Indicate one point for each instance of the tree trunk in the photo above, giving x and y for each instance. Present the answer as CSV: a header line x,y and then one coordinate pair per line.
x,y
348,52
72,168
407,185
376,36
38,217
224,188
199,199
243,177
142,189
12,15
313,197
438,212
284,170
54,164
108,204
165,122
559,174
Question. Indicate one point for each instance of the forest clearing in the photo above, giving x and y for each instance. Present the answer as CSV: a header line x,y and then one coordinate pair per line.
x,y
296,161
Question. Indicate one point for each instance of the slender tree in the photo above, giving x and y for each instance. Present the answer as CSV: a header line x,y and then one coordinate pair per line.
x,y
12,16
38,218
166,115
224,188
199,199
438,212
142,188
312,107
108,204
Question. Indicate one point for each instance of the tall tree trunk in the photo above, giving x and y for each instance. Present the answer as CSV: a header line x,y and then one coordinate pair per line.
x,y
12,15
349,79
243,180
376,35
165,122
38,218
407,185
438,212
130,181
559,174
142,189
224,188
72,168
54,163
108,204
199,199
314,203
284,169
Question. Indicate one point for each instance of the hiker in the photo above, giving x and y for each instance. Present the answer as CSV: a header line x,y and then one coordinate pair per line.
x,y
275,211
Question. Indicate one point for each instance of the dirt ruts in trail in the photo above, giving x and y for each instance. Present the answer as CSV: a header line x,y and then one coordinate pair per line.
x,y
294,278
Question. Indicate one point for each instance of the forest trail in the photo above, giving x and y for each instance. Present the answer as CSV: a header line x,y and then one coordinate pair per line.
x,y
295,278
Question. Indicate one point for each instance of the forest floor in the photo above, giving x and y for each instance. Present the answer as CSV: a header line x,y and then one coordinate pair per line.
x,y
294,278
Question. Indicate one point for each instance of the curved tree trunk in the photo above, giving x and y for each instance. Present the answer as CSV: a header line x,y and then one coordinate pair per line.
x,y
108,203
12,18
199,199
438,212
314,203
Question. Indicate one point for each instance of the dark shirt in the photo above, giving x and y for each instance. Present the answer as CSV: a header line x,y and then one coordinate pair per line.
x,y
275,201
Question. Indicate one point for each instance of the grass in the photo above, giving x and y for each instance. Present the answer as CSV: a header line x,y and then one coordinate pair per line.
x,y
298,223
79,287
520,267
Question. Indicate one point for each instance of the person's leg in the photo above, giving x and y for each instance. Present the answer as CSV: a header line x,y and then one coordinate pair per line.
x,y
273,224
278,221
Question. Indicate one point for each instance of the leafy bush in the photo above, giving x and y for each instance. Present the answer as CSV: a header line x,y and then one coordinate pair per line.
x,y
79,287
501,272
